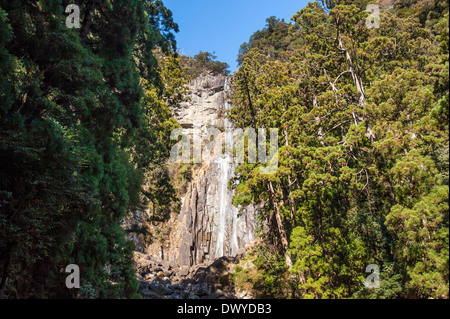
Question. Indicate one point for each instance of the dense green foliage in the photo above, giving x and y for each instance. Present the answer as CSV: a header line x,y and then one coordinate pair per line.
x,y
204,62
83,120
363,159
272,40
362,113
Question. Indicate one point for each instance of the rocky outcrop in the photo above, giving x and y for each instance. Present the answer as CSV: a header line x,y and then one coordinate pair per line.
x,y
191,256
208,225
206,97
201,221
159,279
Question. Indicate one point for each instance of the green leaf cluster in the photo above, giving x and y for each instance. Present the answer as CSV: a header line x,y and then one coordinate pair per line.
x,y
363,158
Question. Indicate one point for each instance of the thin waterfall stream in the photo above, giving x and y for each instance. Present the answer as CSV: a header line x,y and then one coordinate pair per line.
x,y
227,212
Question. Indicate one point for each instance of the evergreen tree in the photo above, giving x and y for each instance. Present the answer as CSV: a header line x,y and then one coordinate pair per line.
x,y
70,112
361,176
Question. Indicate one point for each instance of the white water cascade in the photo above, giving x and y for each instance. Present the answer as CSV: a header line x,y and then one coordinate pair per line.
x,y
208,225
227,212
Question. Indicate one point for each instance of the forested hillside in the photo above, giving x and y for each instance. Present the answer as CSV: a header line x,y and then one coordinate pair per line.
x,y
363,176
83,119
86,116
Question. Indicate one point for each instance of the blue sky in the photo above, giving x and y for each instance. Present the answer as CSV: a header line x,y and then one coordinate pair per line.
x,y
223,25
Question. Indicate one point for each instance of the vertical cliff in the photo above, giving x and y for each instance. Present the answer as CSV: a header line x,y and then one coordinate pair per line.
x,y
208,225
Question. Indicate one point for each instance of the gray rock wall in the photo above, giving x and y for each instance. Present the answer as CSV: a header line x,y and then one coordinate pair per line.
x,y
208,225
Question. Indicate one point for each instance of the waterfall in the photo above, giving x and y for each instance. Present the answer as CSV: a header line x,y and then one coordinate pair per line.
x,y
208,225
224,166
227,213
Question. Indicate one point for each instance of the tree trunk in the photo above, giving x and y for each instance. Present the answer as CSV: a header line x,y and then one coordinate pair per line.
x,y
356,80
359,87
6,265
291,200
250,103
280,226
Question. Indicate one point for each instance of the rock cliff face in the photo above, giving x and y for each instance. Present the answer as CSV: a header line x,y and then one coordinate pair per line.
x,y
208,226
